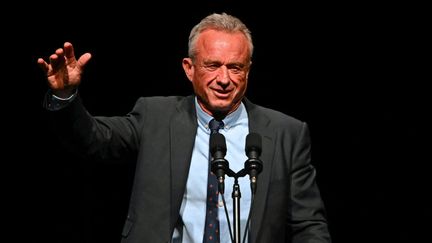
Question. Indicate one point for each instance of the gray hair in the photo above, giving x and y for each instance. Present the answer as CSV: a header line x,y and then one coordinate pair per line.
x,y
222,22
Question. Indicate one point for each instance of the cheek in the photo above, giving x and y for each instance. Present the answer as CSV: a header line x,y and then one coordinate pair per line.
x,y
199,86
240,82
205,76
202,80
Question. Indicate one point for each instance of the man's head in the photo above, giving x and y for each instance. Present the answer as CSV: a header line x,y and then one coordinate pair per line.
x,y
220,53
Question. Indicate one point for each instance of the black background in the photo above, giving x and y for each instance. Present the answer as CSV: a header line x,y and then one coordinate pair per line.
x,y
354,72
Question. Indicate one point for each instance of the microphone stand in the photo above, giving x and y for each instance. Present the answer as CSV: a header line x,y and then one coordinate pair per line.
x,y
236,195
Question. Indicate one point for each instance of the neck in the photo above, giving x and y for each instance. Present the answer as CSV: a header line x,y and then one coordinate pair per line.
x,y
218,114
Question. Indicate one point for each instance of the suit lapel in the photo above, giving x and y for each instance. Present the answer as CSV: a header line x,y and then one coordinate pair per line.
x,y
183,128
260,123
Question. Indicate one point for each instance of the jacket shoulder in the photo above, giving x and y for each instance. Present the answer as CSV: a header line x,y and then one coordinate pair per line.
x,y
276,117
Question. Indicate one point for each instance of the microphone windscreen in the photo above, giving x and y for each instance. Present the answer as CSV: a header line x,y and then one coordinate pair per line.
x,y
253,143
217,143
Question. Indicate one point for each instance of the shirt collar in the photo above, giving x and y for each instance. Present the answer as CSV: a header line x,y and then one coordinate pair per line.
x,y
230,120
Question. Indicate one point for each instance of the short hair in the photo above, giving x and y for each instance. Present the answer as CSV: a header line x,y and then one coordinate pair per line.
x,y
221,22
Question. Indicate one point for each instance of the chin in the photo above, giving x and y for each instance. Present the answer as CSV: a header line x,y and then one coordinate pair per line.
x,y
221,106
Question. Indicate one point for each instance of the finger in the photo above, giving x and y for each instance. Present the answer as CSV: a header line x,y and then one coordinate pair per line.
x,y
43,65
57,60
69,52
54,60
59,52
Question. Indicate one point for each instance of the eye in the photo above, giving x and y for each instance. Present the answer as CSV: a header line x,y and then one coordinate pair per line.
x,y
212,67
235,69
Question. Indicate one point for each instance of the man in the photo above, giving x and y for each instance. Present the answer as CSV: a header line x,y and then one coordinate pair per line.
x,y
170,137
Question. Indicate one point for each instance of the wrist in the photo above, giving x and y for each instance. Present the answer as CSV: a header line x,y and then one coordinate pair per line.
x,y
64,94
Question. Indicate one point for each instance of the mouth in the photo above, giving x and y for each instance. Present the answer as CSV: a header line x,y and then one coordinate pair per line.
x,y
221,94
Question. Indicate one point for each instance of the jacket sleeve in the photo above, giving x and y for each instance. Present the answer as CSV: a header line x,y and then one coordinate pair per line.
x,y
96,137
308,222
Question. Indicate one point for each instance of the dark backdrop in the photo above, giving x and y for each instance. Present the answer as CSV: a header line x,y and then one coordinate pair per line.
x,y
353,72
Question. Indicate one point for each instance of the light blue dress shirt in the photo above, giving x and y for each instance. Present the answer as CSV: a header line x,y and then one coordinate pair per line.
x,y
194,200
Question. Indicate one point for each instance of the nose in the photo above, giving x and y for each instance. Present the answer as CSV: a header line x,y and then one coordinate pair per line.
x,y
223,77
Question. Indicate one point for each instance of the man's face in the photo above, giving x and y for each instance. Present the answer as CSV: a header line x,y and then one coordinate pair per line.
x,y
219,74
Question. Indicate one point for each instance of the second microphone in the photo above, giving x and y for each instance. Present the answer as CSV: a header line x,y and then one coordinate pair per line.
x,y
219,165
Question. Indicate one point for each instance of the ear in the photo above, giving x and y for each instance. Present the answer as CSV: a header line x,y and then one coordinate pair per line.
x,y
188,68
247,73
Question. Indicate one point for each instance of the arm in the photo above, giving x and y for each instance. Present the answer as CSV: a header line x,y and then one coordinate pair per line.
x,y
307,213
100,137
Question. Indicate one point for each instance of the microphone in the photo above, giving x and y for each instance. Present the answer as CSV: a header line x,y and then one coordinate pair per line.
x,y
253,164
219,165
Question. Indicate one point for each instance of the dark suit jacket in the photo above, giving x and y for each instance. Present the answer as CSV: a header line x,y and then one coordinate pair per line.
x,y
161,131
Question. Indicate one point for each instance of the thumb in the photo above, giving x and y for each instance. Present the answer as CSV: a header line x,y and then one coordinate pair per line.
x,y
83,60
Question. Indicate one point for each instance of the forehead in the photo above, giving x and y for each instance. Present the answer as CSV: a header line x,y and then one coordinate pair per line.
x,y
214,42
